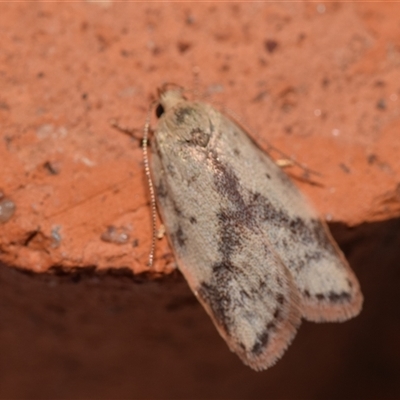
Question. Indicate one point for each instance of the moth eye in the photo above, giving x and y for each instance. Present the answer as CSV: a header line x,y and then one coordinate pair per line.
x,y
159,111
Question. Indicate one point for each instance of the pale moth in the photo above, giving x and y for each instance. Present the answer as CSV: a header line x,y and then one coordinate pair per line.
x,y
255,254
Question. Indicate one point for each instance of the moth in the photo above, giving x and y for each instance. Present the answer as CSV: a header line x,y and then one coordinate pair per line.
x,y
252,249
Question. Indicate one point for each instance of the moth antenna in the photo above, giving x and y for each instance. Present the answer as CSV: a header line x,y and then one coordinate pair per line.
x,y
150,185
307,171
145,141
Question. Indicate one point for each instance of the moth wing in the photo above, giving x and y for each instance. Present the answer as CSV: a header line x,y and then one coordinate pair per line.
x,y
242,284
255,307
252,249
328,287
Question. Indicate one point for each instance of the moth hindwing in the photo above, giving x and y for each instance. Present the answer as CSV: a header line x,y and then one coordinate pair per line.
x,y
252,249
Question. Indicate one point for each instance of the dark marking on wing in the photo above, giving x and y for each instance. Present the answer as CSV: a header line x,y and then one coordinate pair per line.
x,y
244,295
277,314
161,189
331,297
320,235
230,237
271,326
227,183
339,297
177,210
181,113
193,220
261,343
171,170
235,132
226,297
199,138
262,283
178,237
280,298
253,210
298,225
263,338
218,295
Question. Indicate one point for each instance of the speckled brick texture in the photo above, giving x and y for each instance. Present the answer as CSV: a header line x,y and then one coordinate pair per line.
x,y
319,81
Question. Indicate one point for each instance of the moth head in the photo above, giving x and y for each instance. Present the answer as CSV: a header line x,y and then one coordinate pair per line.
x,y
169,95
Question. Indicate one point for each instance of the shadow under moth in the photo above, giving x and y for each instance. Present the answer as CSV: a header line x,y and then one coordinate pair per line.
x,y
254,252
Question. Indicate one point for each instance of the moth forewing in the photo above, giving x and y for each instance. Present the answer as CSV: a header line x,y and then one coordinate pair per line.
x,y
251,248
328,287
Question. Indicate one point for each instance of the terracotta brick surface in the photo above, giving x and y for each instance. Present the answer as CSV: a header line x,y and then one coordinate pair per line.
x,y
80,314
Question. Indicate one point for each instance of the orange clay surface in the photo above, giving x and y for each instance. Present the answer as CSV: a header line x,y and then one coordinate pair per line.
x,y
320,82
